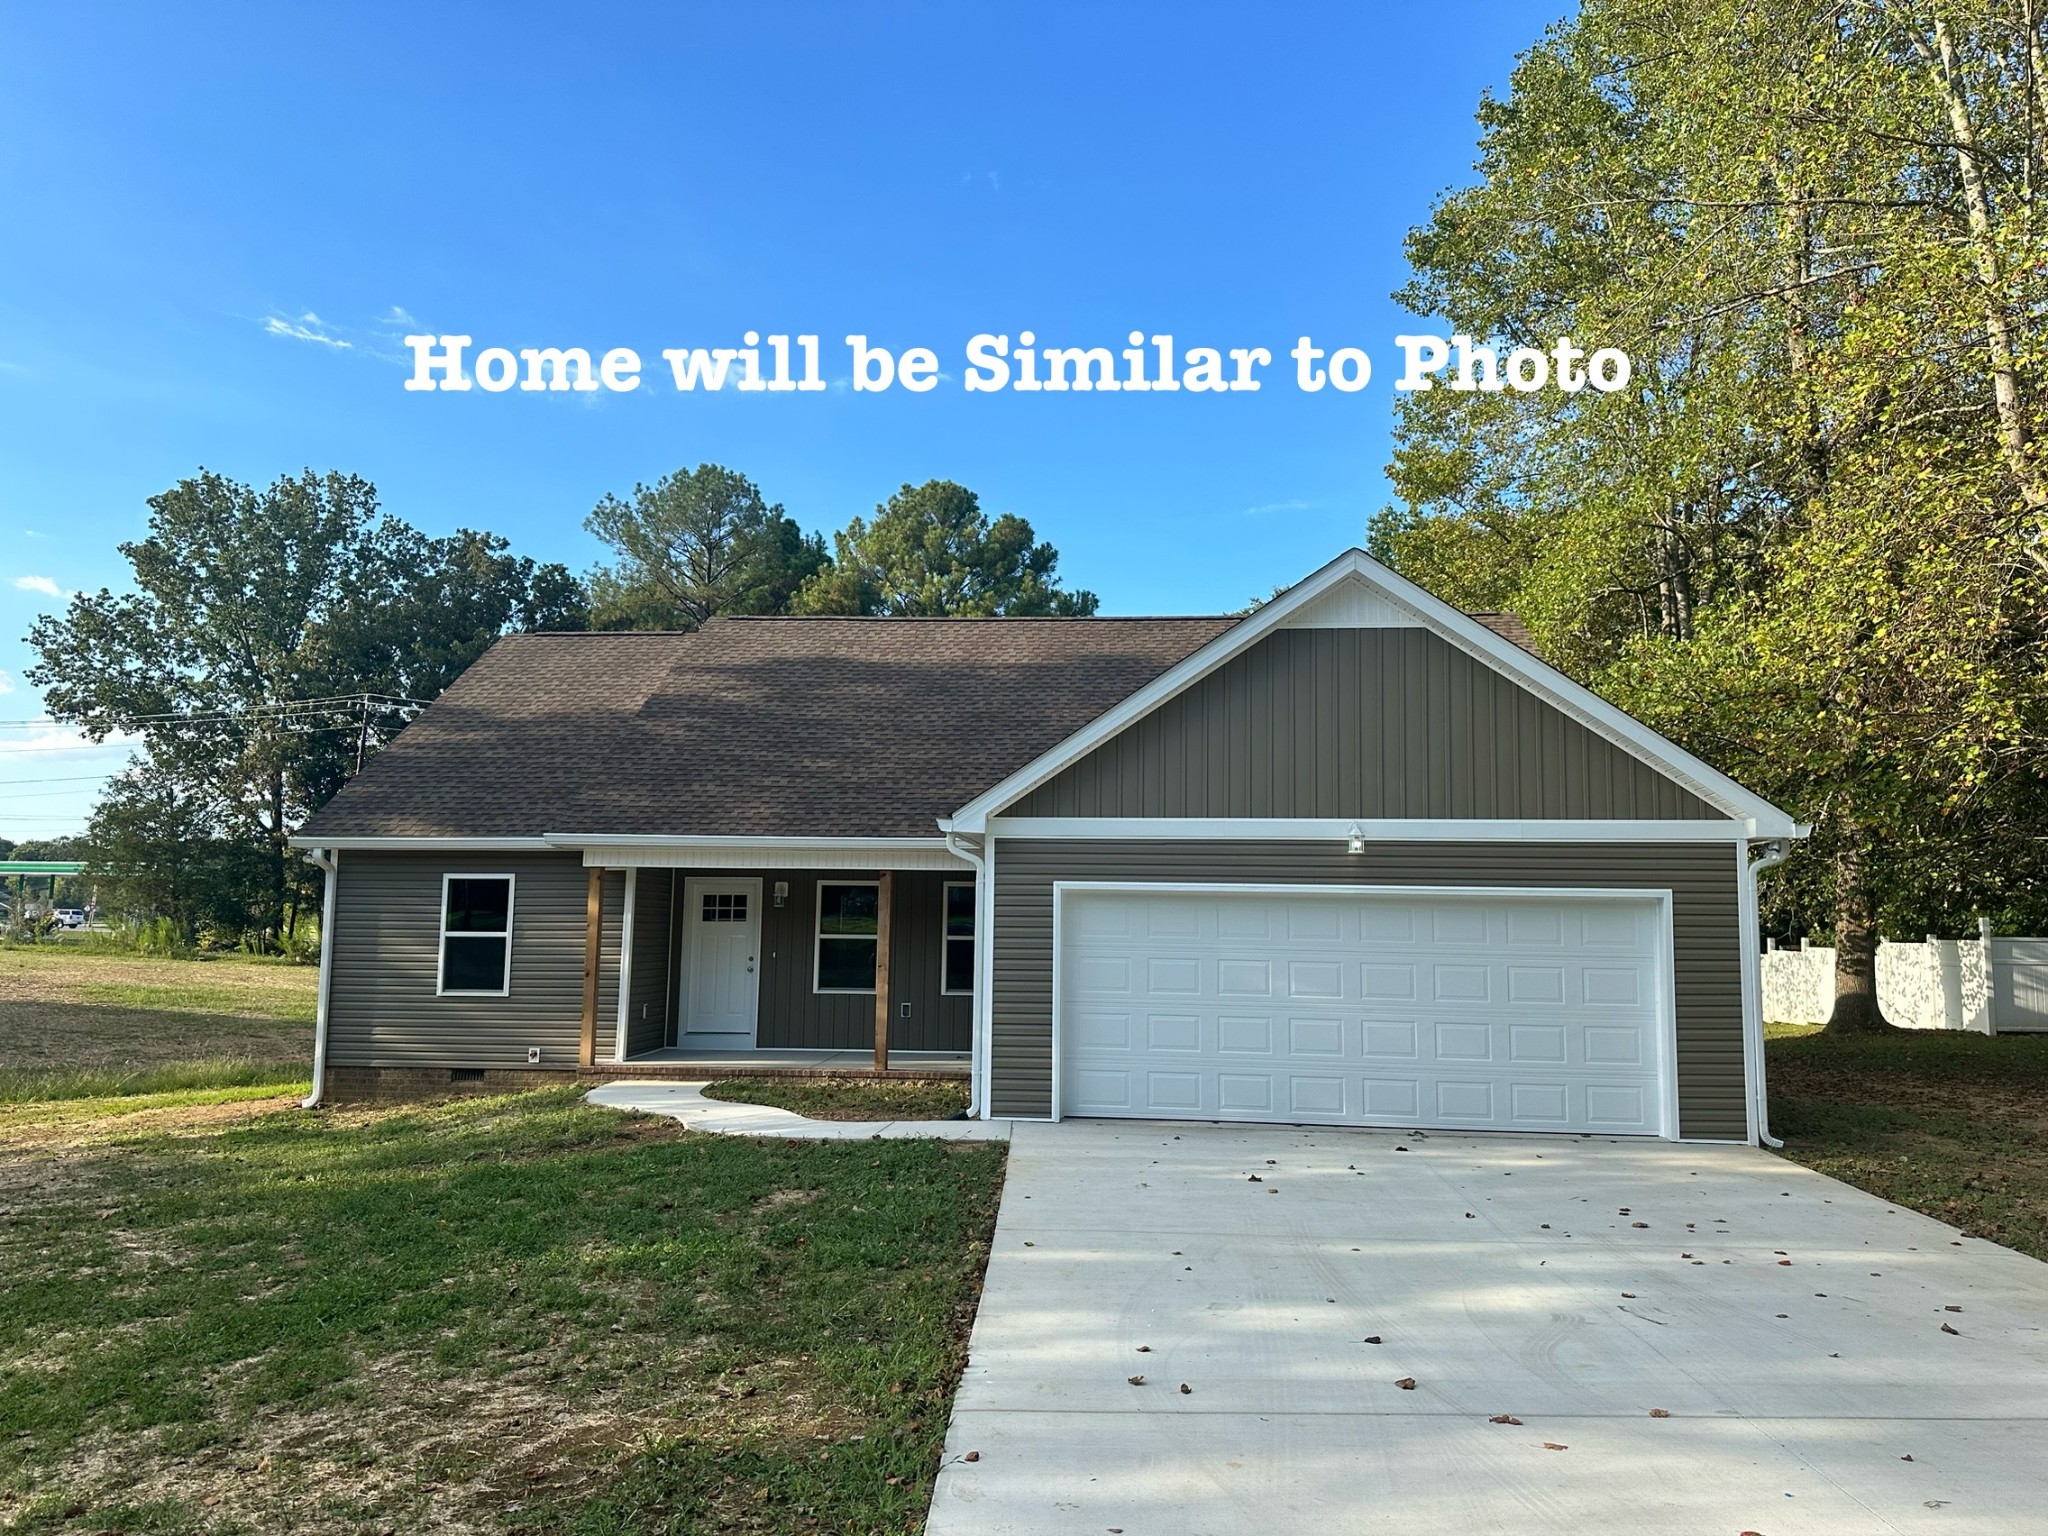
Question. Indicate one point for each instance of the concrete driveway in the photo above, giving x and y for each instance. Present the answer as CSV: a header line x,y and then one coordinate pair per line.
x,y
1789,1328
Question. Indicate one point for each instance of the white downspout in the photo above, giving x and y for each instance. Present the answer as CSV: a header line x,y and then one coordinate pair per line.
x,y
1775,853
977,1062
328,862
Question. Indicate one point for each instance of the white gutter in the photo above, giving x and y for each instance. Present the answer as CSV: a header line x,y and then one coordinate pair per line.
x,y
1775,853
329,863
984,949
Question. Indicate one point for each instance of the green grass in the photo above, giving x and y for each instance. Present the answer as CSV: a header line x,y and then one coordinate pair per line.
x,y
30,1086
848,1098
1952,1124
518,1311
230,1001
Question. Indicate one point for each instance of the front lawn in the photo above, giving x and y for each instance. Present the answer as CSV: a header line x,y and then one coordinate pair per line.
x,y
1952,1124
848,1098
514,1313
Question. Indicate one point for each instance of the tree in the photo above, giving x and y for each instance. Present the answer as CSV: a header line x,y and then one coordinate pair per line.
x,y
931,551
257,623
1808,541
156,850
696,543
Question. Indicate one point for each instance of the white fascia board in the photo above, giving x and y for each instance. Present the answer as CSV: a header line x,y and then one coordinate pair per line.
x,y
1531,672
428,844
615,850
1309,830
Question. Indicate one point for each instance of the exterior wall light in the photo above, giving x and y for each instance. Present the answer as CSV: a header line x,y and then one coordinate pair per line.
x,y
1355,839
781,892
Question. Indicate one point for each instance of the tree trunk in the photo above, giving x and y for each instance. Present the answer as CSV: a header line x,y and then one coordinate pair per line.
x,y
1856,1010
2015,435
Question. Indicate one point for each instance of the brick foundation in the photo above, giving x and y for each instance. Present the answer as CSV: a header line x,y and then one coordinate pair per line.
x,y
398,1085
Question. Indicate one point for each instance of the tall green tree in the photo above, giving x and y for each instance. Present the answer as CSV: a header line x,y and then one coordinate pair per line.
x,y
931,550
246,604
1809,540
696,543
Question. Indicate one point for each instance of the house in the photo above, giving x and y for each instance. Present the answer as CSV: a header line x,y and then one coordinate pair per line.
x,y
1354,858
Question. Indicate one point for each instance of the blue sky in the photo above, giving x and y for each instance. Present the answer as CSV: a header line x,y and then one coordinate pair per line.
x,y
215,224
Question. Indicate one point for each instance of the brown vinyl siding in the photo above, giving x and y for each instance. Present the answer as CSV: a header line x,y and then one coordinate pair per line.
x,y
653,913
793,1017
1702,877
387,933
1367,723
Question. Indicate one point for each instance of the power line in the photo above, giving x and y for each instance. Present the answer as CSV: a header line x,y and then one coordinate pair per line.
x,y
282,710
76,778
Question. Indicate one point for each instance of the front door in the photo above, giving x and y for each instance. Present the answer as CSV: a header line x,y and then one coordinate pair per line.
x,y
721,961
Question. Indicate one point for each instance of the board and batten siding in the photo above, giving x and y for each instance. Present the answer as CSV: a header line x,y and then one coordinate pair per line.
x,y
648,1007
1702,878
383,1010
1365,723
794,1017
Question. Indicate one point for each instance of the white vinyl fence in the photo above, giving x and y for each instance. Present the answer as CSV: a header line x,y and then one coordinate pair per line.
x,y
1986,984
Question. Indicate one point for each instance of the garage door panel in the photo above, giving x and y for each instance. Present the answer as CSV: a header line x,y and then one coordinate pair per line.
x,y
1536,1014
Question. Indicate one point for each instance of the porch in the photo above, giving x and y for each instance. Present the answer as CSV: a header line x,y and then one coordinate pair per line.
x,y
703,965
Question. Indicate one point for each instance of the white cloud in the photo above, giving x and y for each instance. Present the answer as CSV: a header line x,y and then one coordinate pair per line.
x,y
6,683
1266,509
400,315
41,584
308,327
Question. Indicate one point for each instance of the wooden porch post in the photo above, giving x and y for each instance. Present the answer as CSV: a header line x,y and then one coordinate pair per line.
x,y
884,900
593,935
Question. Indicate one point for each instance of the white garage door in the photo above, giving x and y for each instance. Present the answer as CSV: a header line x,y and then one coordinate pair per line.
x,y
1535,1012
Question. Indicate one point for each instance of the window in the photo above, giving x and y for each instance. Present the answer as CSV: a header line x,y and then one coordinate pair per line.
x,y
958,975
476,934
849,918
724,907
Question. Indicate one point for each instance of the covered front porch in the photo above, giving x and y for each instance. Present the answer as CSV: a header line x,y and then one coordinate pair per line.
x,y
746,959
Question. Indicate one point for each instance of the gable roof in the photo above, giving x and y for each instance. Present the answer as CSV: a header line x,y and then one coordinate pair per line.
x,y
1355,589
750,727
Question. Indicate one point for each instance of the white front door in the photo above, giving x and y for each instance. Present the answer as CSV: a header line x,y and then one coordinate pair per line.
x,y
721,960
1537,1011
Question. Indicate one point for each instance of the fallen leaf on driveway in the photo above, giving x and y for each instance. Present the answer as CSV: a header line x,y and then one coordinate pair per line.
x,y
1185,1389
972,1456
1503,1418
1660,1413
1136,1381
1630,1295
1372,1338
1784,1263
1951,1309
1639,1224
1946,1329
1552,1445
1406,1383
1905,1458
1255,1179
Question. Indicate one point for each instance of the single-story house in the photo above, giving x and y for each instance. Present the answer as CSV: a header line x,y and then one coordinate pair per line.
x,y
1354,857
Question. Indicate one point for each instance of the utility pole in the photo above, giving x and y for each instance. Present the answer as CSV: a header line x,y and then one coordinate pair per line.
x,y
362,732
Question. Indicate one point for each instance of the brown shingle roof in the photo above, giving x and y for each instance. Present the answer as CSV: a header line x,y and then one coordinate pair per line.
x,y
1509,627
750,727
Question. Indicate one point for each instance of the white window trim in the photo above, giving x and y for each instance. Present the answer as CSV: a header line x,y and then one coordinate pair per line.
x,y
946,940
818,937
442,934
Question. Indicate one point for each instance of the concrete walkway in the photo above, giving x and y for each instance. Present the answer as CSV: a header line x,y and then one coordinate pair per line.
x,y
686,1102
1693,1340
